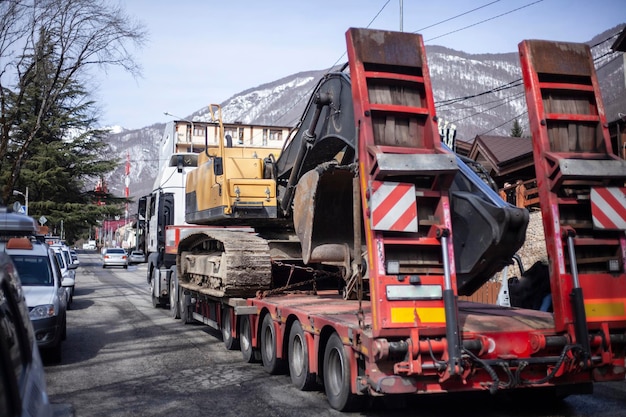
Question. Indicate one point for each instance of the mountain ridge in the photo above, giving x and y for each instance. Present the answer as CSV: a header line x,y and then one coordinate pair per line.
x,y
496,99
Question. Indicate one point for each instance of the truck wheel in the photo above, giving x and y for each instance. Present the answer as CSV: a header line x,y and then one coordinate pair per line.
x,y
155,300
299,359
245,340
174,305
230,342
271,363
185,311
337,376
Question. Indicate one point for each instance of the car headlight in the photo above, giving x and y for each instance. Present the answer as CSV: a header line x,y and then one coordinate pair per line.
x,y
42,312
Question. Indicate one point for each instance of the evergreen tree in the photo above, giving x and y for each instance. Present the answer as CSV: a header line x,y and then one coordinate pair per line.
x,y
517,130
58,154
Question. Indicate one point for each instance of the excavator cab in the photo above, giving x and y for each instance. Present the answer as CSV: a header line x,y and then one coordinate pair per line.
x,y
231,185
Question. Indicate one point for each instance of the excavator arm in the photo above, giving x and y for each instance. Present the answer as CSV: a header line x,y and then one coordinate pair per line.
x,y
487,230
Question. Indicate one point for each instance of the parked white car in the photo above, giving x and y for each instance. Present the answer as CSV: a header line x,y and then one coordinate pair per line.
x,y
68,272
136,257
41,279
29,397
74,257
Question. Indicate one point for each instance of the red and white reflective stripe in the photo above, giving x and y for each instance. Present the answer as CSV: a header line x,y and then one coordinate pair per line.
x,y
394,207
608,207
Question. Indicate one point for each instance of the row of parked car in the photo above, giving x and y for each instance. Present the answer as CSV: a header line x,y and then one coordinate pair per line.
x,y
37,281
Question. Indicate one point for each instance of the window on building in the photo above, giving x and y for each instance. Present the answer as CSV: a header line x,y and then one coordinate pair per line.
x,y
199,131
265,135
276,134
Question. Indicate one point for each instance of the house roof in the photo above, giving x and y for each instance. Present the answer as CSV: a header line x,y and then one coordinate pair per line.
x,y
463,147
502,154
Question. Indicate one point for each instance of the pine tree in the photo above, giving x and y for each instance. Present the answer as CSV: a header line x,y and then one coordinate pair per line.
x,y
45,49
59,153
517,130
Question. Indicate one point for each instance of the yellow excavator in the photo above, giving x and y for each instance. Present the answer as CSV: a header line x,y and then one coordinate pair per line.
x,y
299,200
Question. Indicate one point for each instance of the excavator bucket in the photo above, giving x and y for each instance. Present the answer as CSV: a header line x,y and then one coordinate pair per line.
x,y
323,214
488,231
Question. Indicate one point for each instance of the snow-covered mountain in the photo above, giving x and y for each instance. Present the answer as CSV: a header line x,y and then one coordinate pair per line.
x,y
492,81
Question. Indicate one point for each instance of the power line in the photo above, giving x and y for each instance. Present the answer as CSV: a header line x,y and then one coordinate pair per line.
x,y
508,121
328,69
512,84
485,20
607,62
508,100
607,39
454,17
467,107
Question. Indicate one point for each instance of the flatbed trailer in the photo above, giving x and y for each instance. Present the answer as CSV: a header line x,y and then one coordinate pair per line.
x,y
410,334
291,332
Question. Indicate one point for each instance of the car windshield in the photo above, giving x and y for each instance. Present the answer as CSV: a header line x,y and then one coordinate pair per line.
x,y
116,251
33,270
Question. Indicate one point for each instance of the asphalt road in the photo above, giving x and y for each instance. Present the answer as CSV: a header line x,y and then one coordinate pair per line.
x,y
122,357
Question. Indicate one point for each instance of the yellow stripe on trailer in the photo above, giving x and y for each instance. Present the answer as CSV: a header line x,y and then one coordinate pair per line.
x,y
418,315
614,309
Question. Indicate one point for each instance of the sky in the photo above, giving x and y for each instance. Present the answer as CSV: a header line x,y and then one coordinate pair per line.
x,y
206,51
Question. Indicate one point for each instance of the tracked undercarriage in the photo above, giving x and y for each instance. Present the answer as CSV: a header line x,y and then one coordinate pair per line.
x,y
227,263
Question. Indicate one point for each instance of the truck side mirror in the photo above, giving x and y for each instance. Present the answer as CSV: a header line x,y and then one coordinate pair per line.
x,y
218,168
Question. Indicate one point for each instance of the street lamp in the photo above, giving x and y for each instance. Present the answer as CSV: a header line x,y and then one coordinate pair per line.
x,y
184,120
15,192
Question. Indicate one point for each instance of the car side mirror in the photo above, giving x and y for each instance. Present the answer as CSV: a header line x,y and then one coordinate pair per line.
x,y
66,282
72,266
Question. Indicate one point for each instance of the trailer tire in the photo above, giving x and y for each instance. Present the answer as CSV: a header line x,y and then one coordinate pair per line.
x,y
271,363
230,342
174,304
245,341
337,376
298,357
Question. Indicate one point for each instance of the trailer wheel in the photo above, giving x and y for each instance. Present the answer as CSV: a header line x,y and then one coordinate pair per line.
x,y
245,340
271,363
174,305
230,342
337,376
299,359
